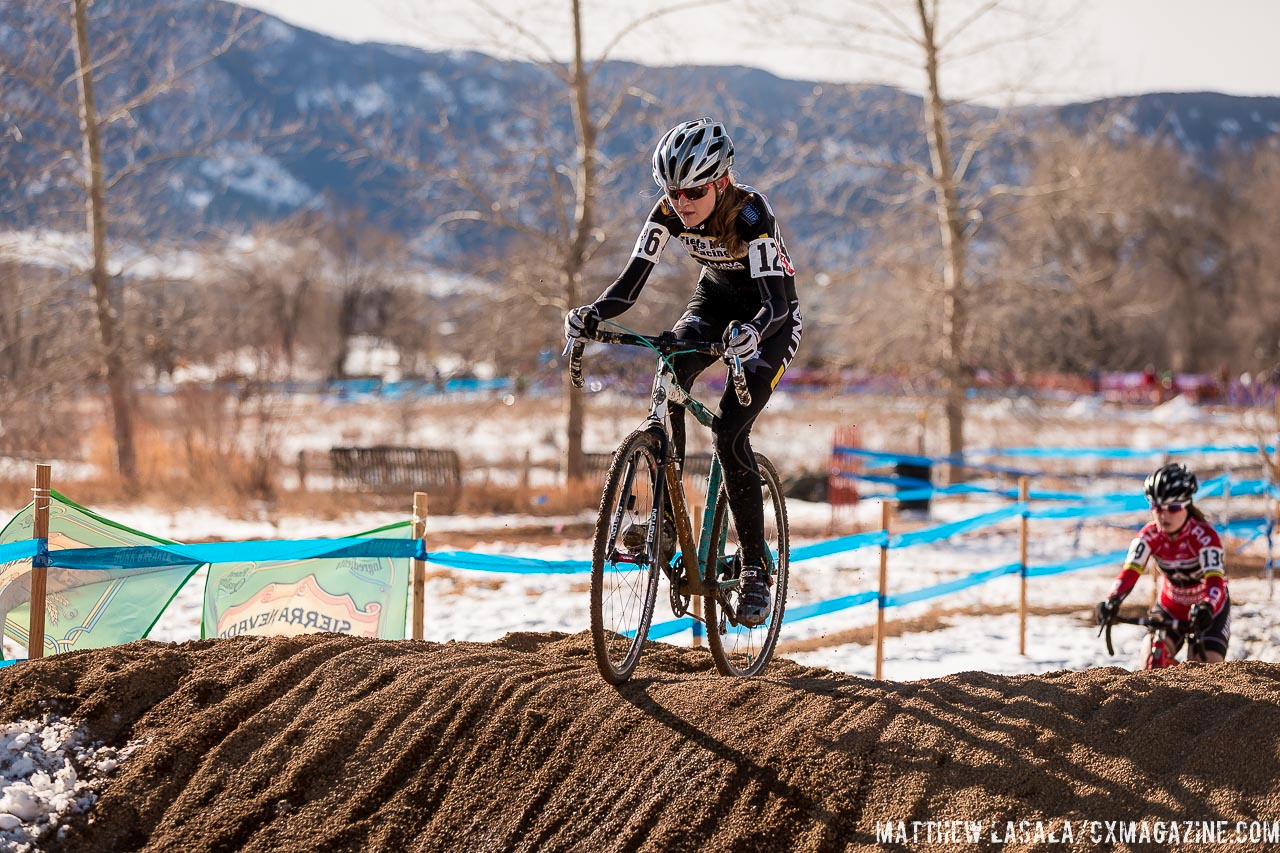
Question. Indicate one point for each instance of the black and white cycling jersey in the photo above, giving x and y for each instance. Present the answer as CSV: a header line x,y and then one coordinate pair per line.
x,y
759,283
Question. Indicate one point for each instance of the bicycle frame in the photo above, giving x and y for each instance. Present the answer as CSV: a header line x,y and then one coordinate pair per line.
x,y
667,391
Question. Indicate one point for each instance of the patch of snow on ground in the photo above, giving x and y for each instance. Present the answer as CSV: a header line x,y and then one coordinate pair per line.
x,y
47,774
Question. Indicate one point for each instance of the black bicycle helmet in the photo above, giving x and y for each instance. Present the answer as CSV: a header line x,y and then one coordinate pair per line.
x,y
692,153
1171,483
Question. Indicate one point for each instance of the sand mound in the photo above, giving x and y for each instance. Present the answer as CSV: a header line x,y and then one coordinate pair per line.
x,y
329,742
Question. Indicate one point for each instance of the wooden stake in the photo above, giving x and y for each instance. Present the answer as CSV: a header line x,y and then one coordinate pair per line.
x,y
39,569
884,584
1024,492
419,579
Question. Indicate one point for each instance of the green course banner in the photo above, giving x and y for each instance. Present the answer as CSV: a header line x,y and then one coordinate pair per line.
x,y
86,609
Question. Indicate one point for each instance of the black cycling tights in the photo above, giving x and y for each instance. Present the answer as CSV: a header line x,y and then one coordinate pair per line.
x,y
733,436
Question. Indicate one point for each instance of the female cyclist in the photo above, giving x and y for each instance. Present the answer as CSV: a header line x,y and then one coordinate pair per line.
x,y
747,278
1189,557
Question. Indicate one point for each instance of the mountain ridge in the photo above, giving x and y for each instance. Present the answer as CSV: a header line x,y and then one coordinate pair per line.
x,y
316,123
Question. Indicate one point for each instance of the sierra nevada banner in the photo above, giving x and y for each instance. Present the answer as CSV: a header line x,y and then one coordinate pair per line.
x,y
362,595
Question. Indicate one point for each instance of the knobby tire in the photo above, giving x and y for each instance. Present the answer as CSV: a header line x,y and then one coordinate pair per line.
x,y
623,593
743,651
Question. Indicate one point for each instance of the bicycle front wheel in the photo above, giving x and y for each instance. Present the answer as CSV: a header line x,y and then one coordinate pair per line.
x,y
624,573
738,649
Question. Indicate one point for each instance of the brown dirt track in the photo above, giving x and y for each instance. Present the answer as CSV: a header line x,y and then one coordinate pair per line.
x,y
328,743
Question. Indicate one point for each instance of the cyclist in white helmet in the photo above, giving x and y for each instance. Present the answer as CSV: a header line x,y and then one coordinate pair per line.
x,y
747,278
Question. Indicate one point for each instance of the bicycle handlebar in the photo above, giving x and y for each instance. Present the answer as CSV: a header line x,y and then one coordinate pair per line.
x,y
665,343
1150,621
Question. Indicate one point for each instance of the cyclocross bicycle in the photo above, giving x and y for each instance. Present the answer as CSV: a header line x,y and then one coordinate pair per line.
x,y
635,541
1158,657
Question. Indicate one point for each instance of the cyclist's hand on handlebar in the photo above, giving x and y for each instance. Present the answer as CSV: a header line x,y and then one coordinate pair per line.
x,y
1201,617
1107,609
744,343
580,321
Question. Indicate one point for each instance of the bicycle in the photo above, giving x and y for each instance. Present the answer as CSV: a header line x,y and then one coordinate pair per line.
x,y
633,546
1158,656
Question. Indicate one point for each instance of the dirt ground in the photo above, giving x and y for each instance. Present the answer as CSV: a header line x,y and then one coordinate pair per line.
x,y
333,743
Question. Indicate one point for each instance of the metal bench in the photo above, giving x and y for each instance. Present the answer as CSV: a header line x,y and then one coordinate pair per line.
x,y
437,472
697,468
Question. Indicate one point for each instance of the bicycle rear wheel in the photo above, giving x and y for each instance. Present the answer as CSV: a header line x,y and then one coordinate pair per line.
x,y
624,573
737,649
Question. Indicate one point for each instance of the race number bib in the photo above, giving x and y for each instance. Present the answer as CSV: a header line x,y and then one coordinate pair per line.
x,y
652,239
1138,553
1211,560
767,258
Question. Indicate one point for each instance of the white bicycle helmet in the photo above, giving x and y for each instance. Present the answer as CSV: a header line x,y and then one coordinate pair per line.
x,y
691,154
1171,483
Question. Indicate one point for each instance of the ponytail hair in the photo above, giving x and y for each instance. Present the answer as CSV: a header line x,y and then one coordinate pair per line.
x,y
722,223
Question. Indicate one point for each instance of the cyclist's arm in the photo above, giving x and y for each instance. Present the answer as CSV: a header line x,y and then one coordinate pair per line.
x,y
625,290
1135,563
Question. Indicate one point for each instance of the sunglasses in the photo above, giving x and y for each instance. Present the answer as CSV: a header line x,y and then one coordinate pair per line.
x,y
1174,507
691,193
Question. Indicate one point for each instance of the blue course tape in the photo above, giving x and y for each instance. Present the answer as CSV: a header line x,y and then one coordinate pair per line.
x,y
262,551
822,608
1115,452
1093,509
946,587
1072,565
20,550
853,542
954,528
674,626
834,605
965,460
511,565
882,456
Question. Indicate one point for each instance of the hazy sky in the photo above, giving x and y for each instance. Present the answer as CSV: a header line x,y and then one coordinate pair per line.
x,y
1094,47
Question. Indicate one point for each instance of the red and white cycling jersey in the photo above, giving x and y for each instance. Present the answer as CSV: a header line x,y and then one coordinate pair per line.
x,y
1190,563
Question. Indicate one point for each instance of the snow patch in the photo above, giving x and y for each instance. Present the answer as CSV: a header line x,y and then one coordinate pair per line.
x,y
1084,407
48,772
1179,410
257,175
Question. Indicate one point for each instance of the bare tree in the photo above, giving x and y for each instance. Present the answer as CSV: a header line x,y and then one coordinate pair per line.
x,y
549,200
41,106
933,36
42,364
1142,259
